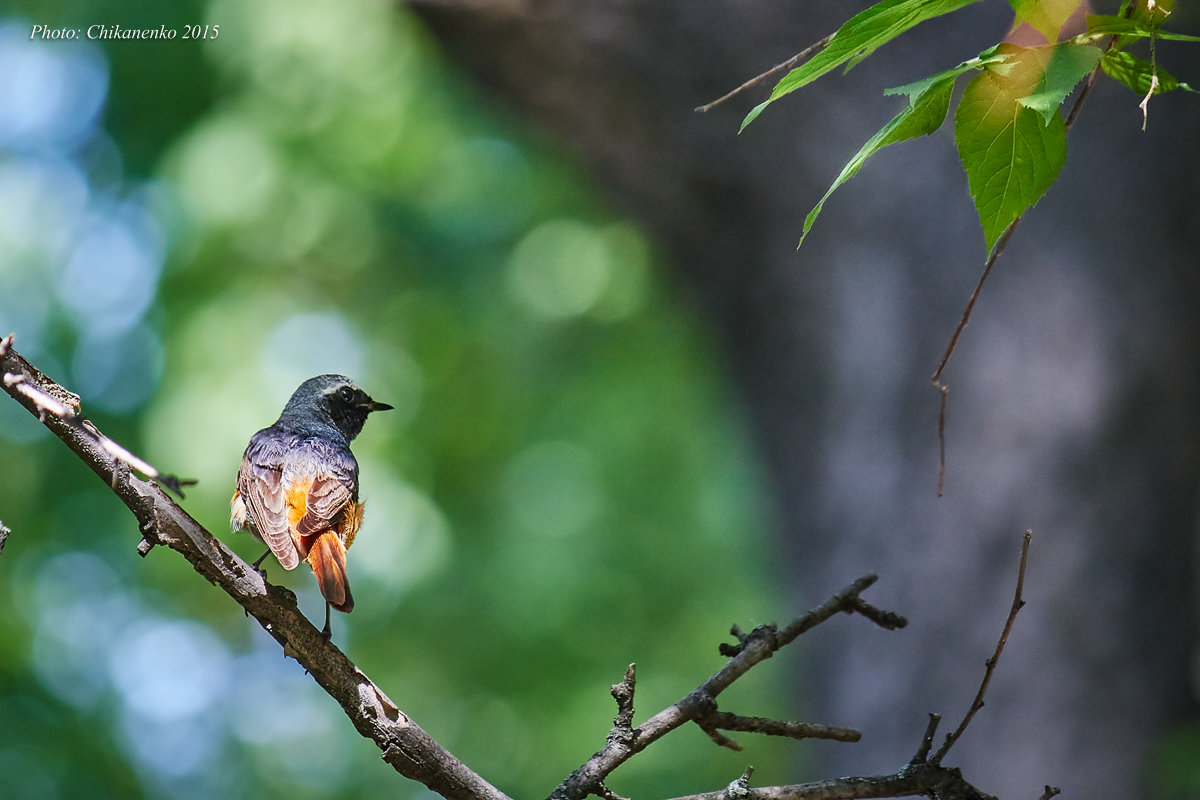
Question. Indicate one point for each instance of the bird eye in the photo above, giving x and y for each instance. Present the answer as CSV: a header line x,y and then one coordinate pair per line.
x,y
346,393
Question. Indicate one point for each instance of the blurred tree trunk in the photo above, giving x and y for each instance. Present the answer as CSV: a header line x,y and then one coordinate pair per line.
x,y
1074,392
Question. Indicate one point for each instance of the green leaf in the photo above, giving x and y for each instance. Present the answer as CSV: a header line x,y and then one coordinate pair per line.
x,y
1065,67
1098,24
1137,73
1045,16
1011,157
925,113
860,36
988,58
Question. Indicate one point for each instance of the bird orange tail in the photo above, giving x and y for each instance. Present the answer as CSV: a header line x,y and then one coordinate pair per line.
x,y
327,557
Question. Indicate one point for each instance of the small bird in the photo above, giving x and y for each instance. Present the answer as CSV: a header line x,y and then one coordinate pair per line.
x,y
297,488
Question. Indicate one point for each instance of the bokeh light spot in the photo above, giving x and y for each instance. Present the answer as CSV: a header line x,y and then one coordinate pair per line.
x,y
560,269
310,344
227,172
553,489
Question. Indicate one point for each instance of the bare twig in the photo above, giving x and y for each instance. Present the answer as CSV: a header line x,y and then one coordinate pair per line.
x,y
48,398
976,704
725,721
791,62
1001,243
922,754
888,620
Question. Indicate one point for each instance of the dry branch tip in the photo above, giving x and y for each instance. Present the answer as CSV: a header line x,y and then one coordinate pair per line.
x,y
990,663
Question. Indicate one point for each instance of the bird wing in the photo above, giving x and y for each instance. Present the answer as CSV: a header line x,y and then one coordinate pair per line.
x,y
328,496
260,482
322,481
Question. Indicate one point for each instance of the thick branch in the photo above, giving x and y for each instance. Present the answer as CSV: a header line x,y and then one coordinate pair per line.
x,y
913,781
409,749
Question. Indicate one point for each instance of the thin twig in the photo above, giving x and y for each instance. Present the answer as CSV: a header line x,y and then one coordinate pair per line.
x,y
791,62
943,389
725,721
65,406
922,754
976,704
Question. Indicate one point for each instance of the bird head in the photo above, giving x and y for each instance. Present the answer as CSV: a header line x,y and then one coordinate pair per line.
x,y
332,399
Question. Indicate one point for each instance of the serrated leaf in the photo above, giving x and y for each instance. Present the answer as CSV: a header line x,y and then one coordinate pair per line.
x,y
925,113
1066,65
858,37
1138,74
1045,16
1010,156
1099,24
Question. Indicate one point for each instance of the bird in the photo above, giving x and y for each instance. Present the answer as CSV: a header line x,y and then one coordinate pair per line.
x,y
297,487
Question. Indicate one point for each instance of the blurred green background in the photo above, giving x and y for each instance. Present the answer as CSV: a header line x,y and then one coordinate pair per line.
x,y
188,229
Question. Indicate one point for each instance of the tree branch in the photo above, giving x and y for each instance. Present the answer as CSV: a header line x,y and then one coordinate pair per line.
x,y
914,780
408,748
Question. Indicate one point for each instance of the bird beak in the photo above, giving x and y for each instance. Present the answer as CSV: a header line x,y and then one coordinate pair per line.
x,y
375,405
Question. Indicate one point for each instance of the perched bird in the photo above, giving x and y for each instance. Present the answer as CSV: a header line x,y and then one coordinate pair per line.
x,y
297,488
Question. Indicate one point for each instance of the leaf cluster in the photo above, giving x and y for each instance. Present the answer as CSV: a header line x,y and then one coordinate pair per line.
x,y
1008,127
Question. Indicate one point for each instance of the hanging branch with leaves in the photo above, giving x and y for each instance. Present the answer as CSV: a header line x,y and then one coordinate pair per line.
x,y
1009,128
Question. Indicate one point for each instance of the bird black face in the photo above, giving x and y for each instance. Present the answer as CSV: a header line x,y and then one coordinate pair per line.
x,y
349,406
335,398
